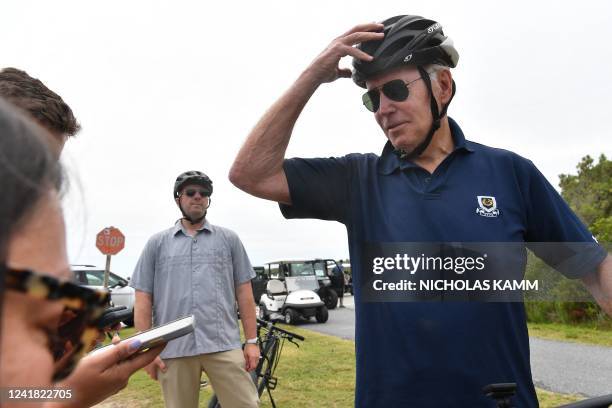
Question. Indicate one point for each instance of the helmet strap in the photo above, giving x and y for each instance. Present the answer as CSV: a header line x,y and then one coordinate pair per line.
x,y
435,121
186,217
197,220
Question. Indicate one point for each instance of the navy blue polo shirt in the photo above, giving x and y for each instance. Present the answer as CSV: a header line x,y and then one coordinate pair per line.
x,y
417,354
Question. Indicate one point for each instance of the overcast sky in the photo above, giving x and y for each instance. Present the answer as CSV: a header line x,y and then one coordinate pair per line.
x,y
164,87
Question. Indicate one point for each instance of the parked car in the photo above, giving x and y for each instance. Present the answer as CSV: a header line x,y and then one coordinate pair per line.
x,y
259,282
121,293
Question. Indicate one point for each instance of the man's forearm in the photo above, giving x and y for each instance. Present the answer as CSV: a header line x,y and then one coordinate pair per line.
x,y
262,154
143,307
246,305
600,285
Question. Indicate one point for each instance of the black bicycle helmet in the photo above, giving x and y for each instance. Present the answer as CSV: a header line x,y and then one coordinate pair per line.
x,y
192,177
409,41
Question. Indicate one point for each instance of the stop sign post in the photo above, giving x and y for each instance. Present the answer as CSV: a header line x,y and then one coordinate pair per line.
x,y
109,241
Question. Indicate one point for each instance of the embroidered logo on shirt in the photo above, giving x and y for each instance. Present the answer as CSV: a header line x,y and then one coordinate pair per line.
x,y
487,206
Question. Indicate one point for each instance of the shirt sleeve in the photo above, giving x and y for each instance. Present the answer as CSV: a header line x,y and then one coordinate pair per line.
x,y
241,265
319,188
554,231
144,272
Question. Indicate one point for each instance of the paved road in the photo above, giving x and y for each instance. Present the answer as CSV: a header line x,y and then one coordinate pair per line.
x,y
571,367
556,366
341,322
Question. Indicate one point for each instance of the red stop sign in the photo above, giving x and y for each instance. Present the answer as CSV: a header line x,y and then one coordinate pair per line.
x,y
110,241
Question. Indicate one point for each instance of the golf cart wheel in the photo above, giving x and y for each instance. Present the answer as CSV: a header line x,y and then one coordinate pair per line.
x,y
322,314
129,322
290,316
263,312
330,298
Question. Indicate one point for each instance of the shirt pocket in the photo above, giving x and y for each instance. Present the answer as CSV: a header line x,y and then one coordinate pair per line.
x,y
210,256
214,266
166,264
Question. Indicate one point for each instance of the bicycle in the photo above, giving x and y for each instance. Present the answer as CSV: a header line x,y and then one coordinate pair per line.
x,y
271,344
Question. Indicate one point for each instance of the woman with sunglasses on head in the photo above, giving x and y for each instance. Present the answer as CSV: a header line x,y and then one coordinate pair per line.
x,y
35,290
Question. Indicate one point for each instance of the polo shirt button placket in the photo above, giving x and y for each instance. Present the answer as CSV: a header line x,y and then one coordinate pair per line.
x,y
426,184
429,191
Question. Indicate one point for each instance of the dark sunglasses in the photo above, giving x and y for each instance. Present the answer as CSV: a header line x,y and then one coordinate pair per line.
x,y
396,90
192,192
83,307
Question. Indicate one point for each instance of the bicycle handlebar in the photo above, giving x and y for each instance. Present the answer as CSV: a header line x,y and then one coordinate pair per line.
x,y
271,326
503,392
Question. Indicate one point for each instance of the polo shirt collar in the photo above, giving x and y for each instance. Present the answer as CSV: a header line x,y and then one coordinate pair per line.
x,y
388,161
178,226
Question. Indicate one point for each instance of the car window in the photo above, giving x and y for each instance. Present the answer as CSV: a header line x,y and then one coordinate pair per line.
x,y
320,269
96,278
260,272
113,280
80,277
301,269
273,271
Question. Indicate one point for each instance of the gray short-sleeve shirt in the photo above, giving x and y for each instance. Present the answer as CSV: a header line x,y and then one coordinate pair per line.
x,y
195,275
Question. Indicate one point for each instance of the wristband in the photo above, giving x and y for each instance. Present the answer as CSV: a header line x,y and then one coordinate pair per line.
x,y
252,341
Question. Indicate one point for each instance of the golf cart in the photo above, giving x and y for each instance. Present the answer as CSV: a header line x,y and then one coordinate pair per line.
x,y
291,299
327,273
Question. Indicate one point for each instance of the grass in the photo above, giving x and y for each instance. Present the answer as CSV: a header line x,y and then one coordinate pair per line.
x,y
321,373
550,399
582,333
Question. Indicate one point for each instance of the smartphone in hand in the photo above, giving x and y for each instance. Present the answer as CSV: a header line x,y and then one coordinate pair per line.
x,y
158,335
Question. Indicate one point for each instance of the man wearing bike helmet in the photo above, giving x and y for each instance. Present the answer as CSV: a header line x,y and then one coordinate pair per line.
x,y
201,269
429,184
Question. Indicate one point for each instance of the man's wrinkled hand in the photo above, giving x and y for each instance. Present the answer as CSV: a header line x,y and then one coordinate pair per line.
x,y
325,67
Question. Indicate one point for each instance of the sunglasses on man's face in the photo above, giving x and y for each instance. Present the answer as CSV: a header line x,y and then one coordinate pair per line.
x,y
83,307
192,192
396,90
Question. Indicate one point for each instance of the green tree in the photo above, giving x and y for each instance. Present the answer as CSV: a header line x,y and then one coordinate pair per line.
x,y
589,194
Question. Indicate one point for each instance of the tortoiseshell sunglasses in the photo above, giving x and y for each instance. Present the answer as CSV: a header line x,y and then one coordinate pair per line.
x,y
82,308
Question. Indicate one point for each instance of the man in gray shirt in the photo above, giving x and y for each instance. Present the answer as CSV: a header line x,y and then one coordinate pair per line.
x,y
201,269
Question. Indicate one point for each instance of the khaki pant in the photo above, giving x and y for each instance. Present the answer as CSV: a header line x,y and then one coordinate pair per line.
x,y
225,370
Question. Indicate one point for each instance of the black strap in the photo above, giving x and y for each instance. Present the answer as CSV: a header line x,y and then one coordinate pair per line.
x,y
436,118
186,217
